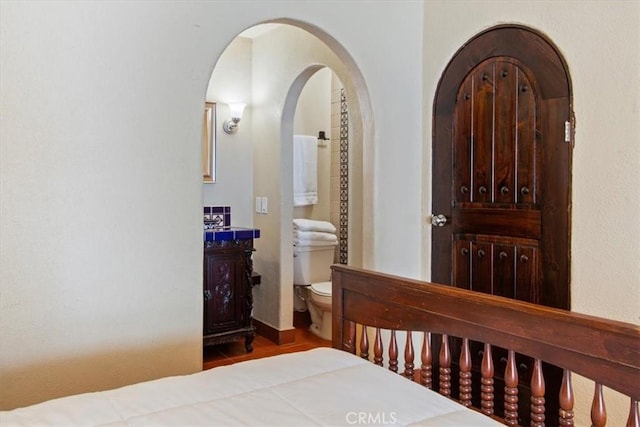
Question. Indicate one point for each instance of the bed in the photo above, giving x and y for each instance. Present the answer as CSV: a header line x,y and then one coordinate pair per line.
x,y
340,385
323,386
605,351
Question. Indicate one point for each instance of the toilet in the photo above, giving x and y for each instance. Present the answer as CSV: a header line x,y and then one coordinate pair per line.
x,y
312,275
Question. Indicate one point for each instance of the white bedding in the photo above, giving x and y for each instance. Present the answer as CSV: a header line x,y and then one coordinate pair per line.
x,y
321,387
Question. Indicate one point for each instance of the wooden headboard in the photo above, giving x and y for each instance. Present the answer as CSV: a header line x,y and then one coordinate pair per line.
x,y
606,351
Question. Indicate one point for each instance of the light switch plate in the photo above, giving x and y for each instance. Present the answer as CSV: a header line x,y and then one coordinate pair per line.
x,y
265,205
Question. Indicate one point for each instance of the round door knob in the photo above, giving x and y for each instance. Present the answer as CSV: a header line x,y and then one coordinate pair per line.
x,y
438,220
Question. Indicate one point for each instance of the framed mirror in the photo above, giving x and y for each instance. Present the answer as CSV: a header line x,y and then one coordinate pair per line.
x,y
209,143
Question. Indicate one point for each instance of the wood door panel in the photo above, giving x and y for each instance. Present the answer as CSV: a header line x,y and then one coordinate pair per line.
x,y
527,155
555,199
514,223
462,263
494,155
504,281
526,266
481,267
462,144
482,133
505,143
508,41
504,269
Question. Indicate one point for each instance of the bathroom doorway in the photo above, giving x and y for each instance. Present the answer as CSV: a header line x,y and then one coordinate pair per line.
x,y
258,68
321,121
322,112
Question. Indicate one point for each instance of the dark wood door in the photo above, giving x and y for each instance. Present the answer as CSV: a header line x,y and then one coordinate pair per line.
x,y
502,175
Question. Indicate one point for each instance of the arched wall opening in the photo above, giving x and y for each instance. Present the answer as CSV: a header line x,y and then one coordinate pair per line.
x,y
281,62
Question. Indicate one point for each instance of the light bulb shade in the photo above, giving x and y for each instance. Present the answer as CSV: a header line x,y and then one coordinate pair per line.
x,y
236,110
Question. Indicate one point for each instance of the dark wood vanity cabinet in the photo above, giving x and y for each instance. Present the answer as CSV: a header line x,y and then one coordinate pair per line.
x,y
228,299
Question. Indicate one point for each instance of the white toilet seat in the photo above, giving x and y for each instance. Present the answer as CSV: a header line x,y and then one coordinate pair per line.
x,y
321,288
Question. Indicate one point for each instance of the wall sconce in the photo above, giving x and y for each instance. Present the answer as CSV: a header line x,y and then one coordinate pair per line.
x,y
231,126
322,139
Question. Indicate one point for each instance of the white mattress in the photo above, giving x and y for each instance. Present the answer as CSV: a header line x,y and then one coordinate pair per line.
x,y
321,387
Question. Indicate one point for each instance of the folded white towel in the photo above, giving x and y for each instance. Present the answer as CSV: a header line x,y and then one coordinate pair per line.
x,y
314,235
304,242
305,170
304,224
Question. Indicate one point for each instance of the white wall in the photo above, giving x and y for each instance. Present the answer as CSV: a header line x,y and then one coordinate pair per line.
x,y
600,41
313,114
101,197
231,82
101,175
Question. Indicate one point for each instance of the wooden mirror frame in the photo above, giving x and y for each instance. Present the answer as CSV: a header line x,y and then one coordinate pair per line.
x,y
209,143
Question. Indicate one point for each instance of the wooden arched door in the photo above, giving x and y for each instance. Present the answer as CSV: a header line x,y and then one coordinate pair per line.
x,y
502,145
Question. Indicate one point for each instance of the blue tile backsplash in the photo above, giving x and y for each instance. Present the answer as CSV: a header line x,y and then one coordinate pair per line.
x,y
217,226
217,217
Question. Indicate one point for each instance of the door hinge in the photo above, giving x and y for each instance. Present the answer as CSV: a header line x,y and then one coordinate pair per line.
x,y
567,131
570,130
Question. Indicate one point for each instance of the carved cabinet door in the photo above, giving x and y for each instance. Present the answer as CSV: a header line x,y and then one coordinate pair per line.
x,y
225,291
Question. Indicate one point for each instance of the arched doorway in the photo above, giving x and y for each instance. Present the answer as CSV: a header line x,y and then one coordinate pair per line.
x,y
502,147
277,78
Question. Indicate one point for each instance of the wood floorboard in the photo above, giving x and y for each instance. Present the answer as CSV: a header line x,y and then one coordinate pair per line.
x,y
229,353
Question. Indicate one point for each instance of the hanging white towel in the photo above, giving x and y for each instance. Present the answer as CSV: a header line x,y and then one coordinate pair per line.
x,y
305,170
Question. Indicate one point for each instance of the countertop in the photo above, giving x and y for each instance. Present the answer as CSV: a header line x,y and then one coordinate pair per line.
x,y
230,233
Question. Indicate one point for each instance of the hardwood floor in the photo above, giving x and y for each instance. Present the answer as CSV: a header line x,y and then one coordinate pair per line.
x,y
227,354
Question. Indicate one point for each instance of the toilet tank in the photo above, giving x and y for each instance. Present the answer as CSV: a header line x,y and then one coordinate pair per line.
x,y
312,264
